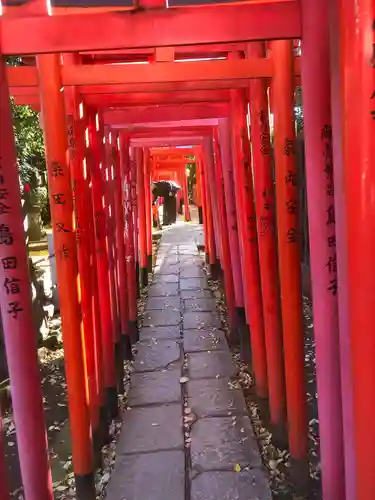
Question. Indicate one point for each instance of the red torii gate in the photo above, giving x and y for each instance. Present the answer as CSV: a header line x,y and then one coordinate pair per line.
x,y
351,75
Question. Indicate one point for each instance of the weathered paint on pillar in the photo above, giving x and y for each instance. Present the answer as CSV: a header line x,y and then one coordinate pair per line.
x,y
95,158
198,190
204,207
224,235
315,68
209,227
128,228
141,210
84,225
337,96
230,206
357,44
186,195
133,192
212,204
267,244
289,252
248,239
17,318
62,215
147,175
112,251
123,281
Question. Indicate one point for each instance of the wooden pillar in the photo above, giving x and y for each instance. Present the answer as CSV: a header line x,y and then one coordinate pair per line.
x,y
204,206
248,242
209,227
54,127
134,201
230,206
17,318
265,212
186,195
338,111
123,280
224,236
198,189
322,237
148,209
84,227
107,171
211,194
95,157
126,188
289,256
141,210
357,47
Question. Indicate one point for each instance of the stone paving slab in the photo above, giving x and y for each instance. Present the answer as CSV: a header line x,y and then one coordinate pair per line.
x,y
158,387
219,443
156,476
205,304
160,303
150,429
211,365
194,284
196,294
159,333
163,269
199,320
155,356
225,485
203,340
165,278
192,271
215,398
163,290
162,318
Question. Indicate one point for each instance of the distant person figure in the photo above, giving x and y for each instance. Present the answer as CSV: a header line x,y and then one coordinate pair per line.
x,y
155,214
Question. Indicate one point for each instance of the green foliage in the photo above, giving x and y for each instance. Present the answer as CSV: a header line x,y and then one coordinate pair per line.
x,y
30,151
192,175
30,154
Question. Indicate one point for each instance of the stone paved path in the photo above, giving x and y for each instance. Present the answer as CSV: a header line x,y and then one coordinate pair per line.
x,y
187,429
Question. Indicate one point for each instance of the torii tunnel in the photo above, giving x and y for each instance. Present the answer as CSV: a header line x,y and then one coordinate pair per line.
x,y
127,91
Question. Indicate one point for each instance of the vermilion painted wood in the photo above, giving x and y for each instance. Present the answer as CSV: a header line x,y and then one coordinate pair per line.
x,y
148,207
122,117
338,112
357,78
209,216
147,98
107,171
289,249
167,27
224,234
230,206
19,329
66,260
323,257
115,74
141,212
95,157
265,214
128,226
208,158
248,239
122,276
207,241
84,225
